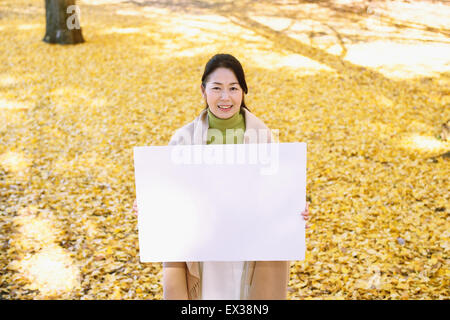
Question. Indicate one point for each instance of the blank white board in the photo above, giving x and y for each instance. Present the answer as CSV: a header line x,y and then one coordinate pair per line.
x,y
231,202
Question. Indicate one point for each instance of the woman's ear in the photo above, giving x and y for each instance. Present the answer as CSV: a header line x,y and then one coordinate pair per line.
x,y
203,91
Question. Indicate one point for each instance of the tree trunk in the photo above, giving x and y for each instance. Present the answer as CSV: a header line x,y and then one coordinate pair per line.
x,y
63,27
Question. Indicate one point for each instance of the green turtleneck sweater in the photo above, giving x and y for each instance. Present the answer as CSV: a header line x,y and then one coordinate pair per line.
x,y
236,123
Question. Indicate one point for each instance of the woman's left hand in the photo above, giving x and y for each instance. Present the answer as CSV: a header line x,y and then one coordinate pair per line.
x,y
305,214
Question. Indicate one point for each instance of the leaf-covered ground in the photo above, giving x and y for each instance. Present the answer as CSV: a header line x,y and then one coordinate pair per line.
x,y
365,86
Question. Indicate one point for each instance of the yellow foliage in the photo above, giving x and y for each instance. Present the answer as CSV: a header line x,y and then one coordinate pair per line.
x,y
71,115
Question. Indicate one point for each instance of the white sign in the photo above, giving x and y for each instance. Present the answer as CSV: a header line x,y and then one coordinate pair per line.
x,y
224,202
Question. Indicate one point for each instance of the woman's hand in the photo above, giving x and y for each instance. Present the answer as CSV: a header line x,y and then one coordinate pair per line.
x,y
135,209
305,214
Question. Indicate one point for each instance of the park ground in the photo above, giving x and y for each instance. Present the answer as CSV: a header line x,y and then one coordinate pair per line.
x,y
364,84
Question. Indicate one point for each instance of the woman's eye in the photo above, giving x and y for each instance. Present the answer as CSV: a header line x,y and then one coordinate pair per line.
x,y
234,88
216,88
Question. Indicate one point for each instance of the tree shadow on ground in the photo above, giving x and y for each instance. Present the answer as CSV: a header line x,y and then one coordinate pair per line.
x,y
240,14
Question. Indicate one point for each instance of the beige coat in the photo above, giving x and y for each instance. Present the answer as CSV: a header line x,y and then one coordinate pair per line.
x,y
262,279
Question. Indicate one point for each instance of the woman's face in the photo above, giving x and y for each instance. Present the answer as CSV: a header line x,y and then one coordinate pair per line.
x,y
222,93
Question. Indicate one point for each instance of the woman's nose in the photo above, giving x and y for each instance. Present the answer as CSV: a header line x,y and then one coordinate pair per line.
x,y
224,94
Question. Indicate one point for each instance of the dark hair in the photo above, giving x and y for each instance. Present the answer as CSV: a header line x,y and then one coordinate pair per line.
x,y
223,60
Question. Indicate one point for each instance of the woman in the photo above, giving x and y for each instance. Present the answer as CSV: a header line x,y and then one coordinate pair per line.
x,y
226,119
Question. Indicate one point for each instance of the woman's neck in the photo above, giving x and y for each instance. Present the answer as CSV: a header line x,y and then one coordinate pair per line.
x,y
223,124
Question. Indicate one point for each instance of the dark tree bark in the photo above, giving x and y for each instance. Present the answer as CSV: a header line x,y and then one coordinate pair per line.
x,y
62,22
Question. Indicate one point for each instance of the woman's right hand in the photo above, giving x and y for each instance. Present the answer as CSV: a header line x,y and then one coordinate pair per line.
x,y
135,209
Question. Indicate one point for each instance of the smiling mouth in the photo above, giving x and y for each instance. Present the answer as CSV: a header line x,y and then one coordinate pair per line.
x,y
225,107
